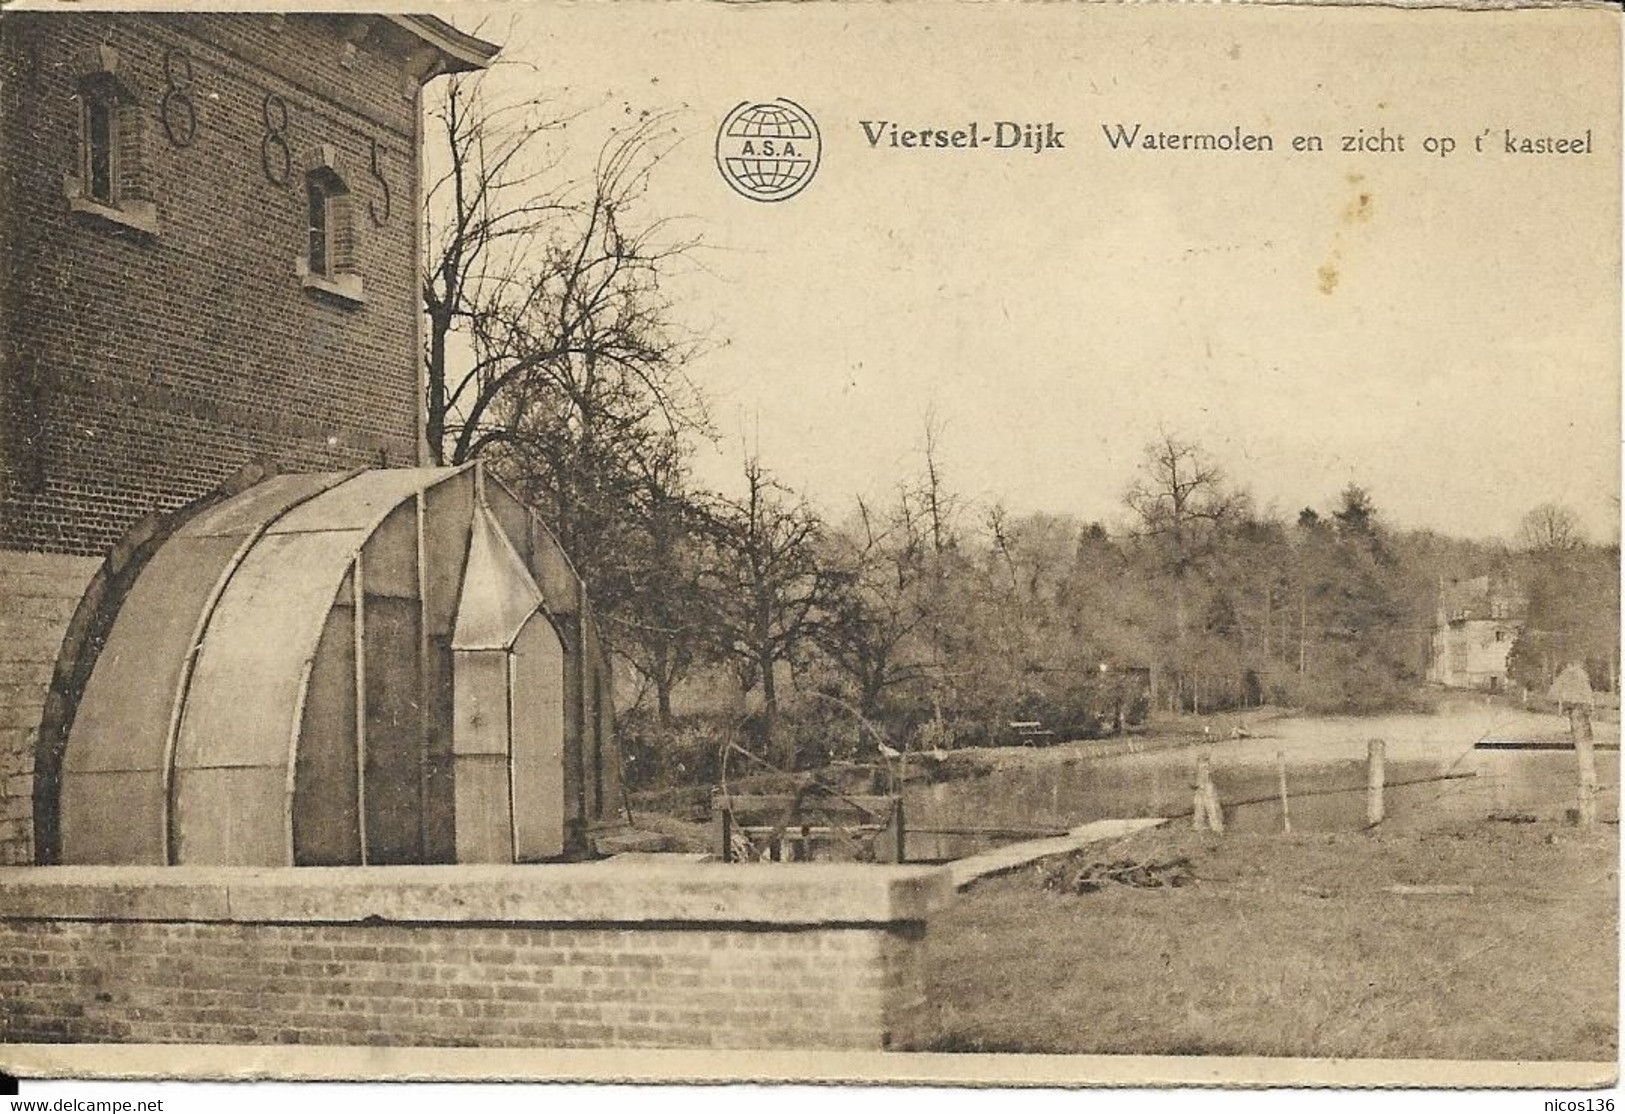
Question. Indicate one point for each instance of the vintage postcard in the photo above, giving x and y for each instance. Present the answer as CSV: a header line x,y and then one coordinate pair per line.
x,y
960,543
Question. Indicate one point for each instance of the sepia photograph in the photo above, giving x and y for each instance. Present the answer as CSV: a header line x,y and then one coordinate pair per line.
x,y
925,543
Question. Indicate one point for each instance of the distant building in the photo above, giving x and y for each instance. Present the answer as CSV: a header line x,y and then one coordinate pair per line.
x,y
1478,620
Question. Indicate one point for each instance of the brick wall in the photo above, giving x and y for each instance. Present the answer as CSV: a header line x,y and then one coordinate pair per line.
x,y
680,956
140,370
461,987
38,594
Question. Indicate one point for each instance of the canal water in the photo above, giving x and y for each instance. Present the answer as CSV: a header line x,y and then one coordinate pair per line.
x,y
1327,796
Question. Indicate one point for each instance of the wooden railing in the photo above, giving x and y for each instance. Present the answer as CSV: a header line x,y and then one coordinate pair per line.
x,y
801,827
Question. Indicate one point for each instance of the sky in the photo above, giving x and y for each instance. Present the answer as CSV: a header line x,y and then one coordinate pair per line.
x,y
1441,329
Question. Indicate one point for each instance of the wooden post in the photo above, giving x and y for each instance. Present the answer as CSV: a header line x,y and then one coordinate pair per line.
x,y
359,599
424,701
1199,796
1215,811
1206,811
724,824
889,844
897,826
1580,731
1286,811
1375,755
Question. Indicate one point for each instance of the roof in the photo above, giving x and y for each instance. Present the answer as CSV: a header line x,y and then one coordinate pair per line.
x,y
461,52
206,666
1477,598
275,635
499,596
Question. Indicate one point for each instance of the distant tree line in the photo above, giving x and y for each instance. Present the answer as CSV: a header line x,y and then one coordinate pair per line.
x,y
924,618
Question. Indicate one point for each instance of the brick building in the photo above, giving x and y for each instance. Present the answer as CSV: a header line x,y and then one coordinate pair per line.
x,y
208,257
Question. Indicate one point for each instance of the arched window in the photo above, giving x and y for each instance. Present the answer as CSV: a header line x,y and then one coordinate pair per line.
x,y
328,263
318,199
100,149
110,181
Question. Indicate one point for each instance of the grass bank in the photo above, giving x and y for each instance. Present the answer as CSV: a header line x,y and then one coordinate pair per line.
x,y
1281,945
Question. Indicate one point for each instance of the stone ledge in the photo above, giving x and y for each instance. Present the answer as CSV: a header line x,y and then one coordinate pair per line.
x,y
345,288
575,893
137,216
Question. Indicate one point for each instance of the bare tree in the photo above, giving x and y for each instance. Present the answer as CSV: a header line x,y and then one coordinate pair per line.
x,y
483,211
1551,528
767,583
878,598
1181,505
930,501
940,505
889,574
539,291
666,622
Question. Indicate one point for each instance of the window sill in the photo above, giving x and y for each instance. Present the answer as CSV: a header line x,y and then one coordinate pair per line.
x,y
137,216
342,288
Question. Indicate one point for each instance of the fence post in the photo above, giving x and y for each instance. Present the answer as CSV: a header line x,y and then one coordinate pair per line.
x,y
899,852
1207,811
1199,801
1375,755
1215,811
1580,731
723,817
1286,811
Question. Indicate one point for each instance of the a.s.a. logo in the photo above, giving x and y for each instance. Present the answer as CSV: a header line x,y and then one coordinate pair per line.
x,y
768,150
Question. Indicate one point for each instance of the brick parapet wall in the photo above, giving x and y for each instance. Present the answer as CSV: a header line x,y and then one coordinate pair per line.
x,y
38,594
582,955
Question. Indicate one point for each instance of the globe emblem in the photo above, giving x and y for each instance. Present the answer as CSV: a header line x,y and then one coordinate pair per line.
x,y
768,150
